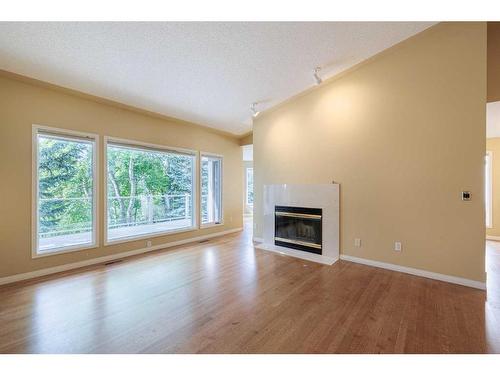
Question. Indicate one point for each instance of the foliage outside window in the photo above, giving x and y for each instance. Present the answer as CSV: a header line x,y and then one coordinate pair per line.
x,y
65,201
249,187
148,191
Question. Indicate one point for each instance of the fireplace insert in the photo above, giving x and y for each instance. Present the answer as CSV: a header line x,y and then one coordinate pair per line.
x,y
298,228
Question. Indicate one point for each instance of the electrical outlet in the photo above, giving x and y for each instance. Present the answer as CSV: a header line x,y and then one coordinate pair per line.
x,y
149,244
357,242
397,246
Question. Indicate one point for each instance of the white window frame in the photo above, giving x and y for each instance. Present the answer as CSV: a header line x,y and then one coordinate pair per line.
x,y
70,135
152,147
221,157
246,186
489,191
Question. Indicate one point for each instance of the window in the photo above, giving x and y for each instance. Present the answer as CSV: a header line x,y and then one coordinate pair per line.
x,y
211,190
150,190
249,187
488,184
65,207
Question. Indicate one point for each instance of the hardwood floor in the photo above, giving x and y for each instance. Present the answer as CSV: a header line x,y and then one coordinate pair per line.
x,y
224,296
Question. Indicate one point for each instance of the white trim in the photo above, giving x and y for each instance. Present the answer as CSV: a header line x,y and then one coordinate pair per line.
x,y
64,131
489,190
416,272
210,225
148,146
257,239
213,156
297,254
493,238
61,132
151,147
105,259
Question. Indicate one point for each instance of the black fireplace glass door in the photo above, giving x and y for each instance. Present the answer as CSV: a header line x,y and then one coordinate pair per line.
x,y
298,228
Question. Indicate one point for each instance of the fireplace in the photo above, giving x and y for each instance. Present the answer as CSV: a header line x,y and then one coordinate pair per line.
x,y
298,228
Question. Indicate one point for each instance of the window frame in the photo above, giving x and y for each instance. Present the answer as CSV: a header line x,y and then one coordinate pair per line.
x,y
221,157
488,201
246,186
70,135
153,147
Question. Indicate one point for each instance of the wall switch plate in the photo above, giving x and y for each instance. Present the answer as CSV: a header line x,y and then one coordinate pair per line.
x,y
397,246
149,244
466,195
357,242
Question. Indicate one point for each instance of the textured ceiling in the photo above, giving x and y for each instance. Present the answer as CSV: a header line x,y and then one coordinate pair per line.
x,y
208,73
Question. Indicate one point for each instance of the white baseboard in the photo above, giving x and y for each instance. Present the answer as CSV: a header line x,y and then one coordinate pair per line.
x,y
108,258
493,238
416,272
297,254
258,239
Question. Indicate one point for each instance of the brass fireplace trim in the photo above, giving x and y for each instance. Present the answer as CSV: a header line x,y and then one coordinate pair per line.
x,y
303,216
296,242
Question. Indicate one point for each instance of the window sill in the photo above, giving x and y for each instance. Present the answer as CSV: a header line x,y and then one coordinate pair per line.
x,y
149,235
62,250
210,225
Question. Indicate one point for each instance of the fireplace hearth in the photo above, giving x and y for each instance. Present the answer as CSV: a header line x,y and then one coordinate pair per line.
x,y
302,221
298,228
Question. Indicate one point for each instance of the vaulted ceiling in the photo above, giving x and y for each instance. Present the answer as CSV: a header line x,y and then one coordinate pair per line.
x,y
207,73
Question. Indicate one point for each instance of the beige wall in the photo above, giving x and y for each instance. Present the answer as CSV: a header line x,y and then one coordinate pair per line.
x,y
493,145
403,134
24,104
247,139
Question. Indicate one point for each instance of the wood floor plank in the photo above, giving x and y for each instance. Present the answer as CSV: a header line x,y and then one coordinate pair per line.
x,y
225,296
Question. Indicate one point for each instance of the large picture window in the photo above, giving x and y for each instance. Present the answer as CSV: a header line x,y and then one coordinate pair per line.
x,y
65,191
211,190
150,190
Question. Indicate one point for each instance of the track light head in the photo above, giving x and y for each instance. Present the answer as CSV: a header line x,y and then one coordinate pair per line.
x,y
316,76
253,108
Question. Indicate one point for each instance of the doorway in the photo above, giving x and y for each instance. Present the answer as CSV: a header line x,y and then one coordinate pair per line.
x,y
248,194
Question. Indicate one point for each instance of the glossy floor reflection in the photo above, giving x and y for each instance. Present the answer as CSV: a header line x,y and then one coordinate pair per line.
x,y
223,296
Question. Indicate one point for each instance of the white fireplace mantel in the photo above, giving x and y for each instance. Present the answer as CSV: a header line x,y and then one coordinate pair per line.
x,y
324,196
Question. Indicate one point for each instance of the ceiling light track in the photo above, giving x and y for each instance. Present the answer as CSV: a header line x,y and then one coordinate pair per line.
x,y
316,76
254,110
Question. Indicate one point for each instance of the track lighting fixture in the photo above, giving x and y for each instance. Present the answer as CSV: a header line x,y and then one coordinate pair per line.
x,y
253,108
316,76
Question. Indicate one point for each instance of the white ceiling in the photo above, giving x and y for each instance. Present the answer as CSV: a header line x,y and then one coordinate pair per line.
x,y
208,73
493,120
